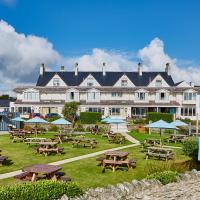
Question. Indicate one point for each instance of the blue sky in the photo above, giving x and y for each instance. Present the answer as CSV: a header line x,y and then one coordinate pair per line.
x,y
77,26
118,32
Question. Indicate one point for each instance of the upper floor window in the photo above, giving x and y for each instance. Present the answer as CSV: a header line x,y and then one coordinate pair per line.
x,y
90,82
116,94
189,96
162,96
31,96
158,83
56,82
141,96
72,95
124,83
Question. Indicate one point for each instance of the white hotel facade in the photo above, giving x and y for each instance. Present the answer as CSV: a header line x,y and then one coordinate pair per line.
x,y
124,94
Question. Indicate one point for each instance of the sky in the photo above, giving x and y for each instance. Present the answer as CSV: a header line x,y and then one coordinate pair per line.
x,y
118,32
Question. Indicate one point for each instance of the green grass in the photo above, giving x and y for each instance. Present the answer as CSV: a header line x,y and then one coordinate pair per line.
x,y
85,172
23,155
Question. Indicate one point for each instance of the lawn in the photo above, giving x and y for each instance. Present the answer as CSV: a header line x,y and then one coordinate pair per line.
x,y
23,155
86,172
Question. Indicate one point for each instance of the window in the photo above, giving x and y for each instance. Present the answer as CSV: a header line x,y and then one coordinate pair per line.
x,y
114,111
141,96
116,94
56,82
72,95
189,96
188,111
162,96
23,110
158,83
124,83
31,96
90,82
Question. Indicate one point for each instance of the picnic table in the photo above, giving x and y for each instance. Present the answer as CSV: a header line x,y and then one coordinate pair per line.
x,y
116,159
30,141
159,153
85,142
176,138
46,148
18,136
61,137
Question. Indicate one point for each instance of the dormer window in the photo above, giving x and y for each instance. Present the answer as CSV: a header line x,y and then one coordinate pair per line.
x,y
56,82
124,83
158,83
189,96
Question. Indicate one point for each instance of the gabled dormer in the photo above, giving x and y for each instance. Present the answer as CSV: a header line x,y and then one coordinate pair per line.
x,y
184,84
90,81
56,81
124,81
158,81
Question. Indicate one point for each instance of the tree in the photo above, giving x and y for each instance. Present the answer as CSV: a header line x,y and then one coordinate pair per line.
x,y
69,111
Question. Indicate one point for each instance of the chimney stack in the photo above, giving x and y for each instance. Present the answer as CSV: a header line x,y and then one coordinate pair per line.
x,y
76,69
104,69
42,69
140,68
62,68
167,69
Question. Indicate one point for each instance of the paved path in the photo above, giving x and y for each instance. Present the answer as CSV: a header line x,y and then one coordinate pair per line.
x,y
130,138
69,160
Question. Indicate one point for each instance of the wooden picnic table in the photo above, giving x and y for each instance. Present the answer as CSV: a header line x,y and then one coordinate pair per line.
x,y
30,141
32,172
116,159
85,142
46,148
160,153
177,138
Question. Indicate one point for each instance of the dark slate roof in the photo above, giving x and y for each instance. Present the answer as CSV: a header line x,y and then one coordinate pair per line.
x,y
108,80
5,103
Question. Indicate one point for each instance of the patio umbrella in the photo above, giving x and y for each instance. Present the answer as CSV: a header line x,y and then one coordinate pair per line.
x,y
36,120
105,119
19,120
61,121
161,124
179,123
115,121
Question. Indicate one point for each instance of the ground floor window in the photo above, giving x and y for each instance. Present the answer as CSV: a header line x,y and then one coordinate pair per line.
x,y
95,109
23,110
188,111
114,111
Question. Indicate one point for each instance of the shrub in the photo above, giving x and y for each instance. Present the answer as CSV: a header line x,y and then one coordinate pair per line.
x,y
52,119
139,121
54,128
79,128
190,147
155,116
90,117
42,190
164,177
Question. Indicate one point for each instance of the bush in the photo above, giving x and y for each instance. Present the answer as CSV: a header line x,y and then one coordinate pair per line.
x,y
42,190
79,127
52,119
190,147
90,117
164,177
54,128
155,116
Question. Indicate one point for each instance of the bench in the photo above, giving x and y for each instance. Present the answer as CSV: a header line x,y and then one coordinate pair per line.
x,y
3,159
25,176
100,160
46,151
159,153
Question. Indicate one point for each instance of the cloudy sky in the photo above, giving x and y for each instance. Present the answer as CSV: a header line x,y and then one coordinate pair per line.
x,y
26,42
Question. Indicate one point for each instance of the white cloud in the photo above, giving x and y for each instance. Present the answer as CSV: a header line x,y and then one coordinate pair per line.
x,y
20,56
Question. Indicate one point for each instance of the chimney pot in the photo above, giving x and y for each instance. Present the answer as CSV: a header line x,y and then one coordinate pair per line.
x,y
104,69
140,68
42,69
62,68
76,69
167,68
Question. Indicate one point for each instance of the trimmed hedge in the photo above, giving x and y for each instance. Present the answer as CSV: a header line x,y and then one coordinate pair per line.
x,y
90,117
164,177
40,190
155,116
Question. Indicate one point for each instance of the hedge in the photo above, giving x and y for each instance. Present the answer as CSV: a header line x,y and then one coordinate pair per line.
x,y
40,190
155,116
90,117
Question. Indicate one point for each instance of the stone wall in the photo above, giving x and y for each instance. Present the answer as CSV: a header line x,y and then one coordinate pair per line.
x,y
187,188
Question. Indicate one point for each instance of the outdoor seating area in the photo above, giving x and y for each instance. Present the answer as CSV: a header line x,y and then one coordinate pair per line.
x,y
84,142
116,159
